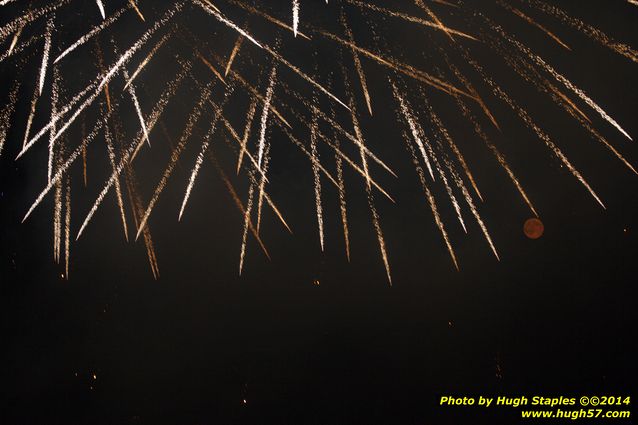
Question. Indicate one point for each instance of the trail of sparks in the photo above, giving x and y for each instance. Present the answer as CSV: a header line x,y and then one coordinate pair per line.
x,y
67,230
533,22
192,120
431,201
112,72
436,25
267,17
95,31
147,59
357,63
593,33
317,179
234,52
295,16
200,157
118,190
7,112
264,115
249,122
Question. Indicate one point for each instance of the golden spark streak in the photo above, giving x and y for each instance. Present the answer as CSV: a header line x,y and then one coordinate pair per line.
x,y
317,178
431,201
118,190
435,18
96,30
238,203
357,63
137,10
231,58
249,121
400,67
273,53
533,22
436,25
192,120
269,18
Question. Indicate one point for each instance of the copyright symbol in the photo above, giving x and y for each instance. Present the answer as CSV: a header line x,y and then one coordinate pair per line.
x,y
595,401
584,401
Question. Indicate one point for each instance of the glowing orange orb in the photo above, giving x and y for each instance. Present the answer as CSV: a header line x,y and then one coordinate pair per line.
x,y
533,228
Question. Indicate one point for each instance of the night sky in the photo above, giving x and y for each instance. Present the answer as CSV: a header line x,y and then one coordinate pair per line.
x,y
308,337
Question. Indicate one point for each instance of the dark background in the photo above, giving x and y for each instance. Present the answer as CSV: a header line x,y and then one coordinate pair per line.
x,y
200,345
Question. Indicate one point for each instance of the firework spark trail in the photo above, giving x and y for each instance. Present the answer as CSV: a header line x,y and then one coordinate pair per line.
x,y
434,18
350,162
101,7
96,30
7,112
134,197
468,198
431,200
190,125
29,17
55,85
634,2
137,10
19,48
295,16
238,203
450,192
315,110
249,122
342,198
264,114
118,190
415,129
272,52
531,75
138,109
251,172
397,66
112,72
499,156
136,204
147,59
436,25
57,222
532,22
446,135
337,150
16,36
234,52
244,237
559,77
211,67
593,33
159,108
83,133
357,63
377,227
269,18
317,178
6,2
38,91
200,157
373,210
67,229
525,117
262,185
55,119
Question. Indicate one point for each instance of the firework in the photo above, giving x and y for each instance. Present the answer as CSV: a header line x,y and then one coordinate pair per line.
x,y
299,83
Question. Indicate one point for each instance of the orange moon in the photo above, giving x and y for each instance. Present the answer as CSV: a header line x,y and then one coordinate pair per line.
x,y
533,228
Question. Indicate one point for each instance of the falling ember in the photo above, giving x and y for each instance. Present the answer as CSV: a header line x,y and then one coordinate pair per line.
x,y
533,228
